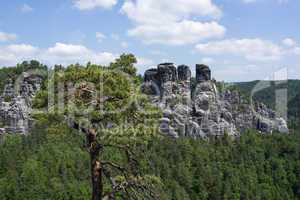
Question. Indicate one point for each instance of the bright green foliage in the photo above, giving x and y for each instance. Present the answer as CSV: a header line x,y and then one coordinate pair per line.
x,y
107,100
53,164
294,112
13,72
125,63
268,96
253,167
48,164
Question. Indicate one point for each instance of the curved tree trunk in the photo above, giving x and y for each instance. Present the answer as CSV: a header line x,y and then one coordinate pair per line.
x,y
94,150
96,168
96,172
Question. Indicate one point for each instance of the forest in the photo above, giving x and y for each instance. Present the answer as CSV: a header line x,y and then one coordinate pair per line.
x,y
55,160
52,163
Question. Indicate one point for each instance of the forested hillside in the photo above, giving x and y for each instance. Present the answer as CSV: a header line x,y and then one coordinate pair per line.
x,y
268,94
56,159
12,73
52,163
268,91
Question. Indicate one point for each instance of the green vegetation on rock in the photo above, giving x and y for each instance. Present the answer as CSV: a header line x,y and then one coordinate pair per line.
x,y
54,161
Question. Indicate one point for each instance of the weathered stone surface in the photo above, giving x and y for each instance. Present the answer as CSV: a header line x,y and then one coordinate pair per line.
x,y
152,75
203,73
167,72
184,73
282,125
206,113
151,85
15,106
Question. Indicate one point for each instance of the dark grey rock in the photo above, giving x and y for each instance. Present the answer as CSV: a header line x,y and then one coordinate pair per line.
x,y
184,72
207,112
203,73
152,75
167,72
151,84
15,111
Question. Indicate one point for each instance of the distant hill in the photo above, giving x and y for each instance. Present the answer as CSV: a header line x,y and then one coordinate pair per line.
x,y
267,95
12,73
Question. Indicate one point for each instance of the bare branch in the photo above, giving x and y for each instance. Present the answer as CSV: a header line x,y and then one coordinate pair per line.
x,y
114,165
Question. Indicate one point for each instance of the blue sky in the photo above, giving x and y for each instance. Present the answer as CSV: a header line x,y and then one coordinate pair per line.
x,y
240,40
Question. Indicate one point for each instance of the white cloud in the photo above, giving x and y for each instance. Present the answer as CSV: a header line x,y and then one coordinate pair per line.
x,y
253,1
5,37
297,50
159,12
251,49
22,49
288,42
70,53
12,54
62,49
124,44
167,23
25,8
60,53
92,4
178,33
100,36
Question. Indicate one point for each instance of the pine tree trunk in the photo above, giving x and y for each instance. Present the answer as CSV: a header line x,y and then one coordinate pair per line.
x,y
96,172
96,168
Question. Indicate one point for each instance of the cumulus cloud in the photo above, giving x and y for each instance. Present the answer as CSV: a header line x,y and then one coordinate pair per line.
x,y
153,11
297,50
178,33
124,44
168,23
25,8
288,42
69,53
5,37
100,36
251,49
278,1
92,4
12,54
60,53
22,49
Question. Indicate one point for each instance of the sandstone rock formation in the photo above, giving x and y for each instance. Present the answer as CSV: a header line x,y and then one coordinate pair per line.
x,y
15,104
203,112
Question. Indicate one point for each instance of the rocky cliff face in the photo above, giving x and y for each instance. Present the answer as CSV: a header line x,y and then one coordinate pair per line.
x,y
15,104
203,112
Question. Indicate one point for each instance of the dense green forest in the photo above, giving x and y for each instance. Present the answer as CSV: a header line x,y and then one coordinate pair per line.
x,y
12,73
268,89
267,95
54,161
